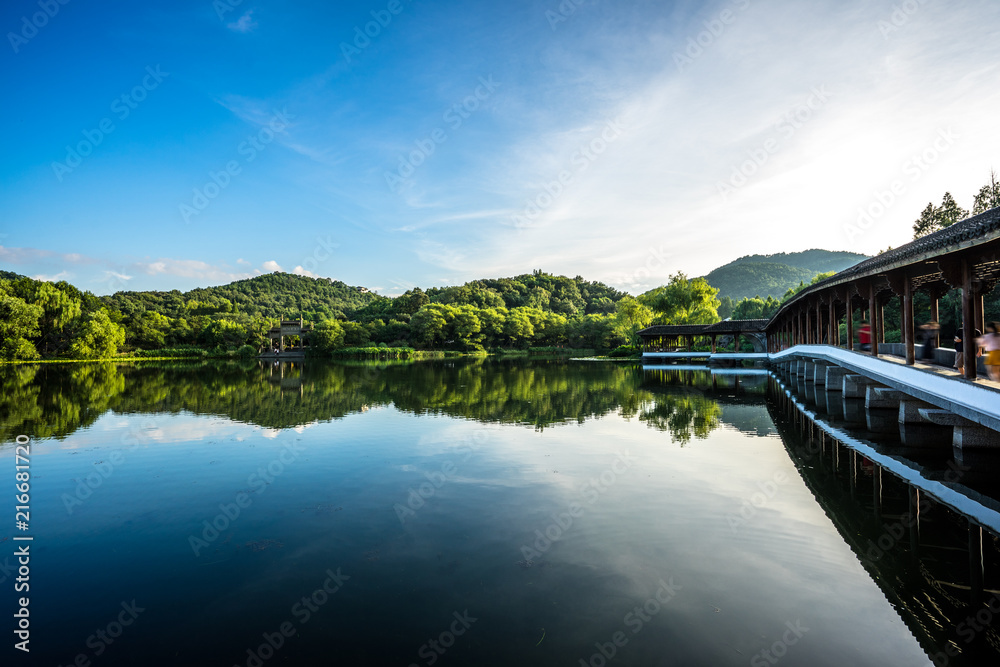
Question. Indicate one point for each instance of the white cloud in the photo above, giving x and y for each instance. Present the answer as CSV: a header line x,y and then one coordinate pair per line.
x,y
62,275
190,268
299,271
243,262
684,132
271,266
244,24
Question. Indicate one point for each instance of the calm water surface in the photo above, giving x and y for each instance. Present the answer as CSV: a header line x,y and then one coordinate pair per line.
x,y
451,512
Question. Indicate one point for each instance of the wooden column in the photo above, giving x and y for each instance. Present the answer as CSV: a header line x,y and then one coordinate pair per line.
x,y
977,301
934,318
873,324
969,319
713,343
850,321
833,328
881,323
907,317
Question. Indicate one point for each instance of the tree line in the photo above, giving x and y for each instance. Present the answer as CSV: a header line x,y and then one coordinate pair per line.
x,y
40,320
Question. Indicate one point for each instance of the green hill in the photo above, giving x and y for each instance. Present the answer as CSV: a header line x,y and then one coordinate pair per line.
x,y
763,275
269,296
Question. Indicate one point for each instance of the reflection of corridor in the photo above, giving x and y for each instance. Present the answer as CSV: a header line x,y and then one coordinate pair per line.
x,y
929,542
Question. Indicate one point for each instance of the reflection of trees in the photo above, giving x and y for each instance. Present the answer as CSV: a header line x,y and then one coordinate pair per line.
x,y
54,400
685,415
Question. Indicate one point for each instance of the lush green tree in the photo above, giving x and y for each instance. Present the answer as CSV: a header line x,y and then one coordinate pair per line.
x,y
601,306
430,323
596,331
988,196
491,321
726,307
224,333
149,330
934,219
410,301
631,317
465,328
328,336
355,334
926,223
97,337
683,301
18,325
517,327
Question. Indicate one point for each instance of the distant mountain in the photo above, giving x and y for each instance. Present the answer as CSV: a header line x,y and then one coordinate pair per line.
x,y
763,275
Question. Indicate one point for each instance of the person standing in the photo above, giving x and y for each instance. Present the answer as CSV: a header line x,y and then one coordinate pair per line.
x,y
991,341
959,347
929,332
865,337
959,354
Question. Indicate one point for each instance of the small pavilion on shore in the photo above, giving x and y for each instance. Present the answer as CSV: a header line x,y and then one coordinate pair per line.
x,y
276,336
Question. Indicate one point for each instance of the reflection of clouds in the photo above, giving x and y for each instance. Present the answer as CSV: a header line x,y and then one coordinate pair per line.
x,y
272,433
118,431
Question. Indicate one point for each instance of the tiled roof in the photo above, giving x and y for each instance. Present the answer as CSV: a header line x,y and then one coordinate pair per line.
x,y
725,327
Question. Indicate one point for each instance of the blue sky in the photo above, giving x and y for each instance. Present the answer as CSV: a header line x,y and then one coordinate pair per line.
x,y
392,144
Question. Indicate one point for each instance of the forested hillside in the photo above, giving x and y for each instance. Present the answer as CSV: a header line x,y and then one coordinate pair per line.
x,y
268,296
40,319
773,275
56,320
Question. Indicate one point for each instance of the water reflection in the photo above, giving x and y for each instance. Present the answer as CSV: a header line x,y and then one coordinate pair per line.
x,y
805,552
939,568
56,400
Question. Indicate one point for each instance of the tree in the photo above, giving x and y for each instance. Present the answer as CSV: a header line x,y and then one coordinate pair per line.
x,y
949,212
328,336
410,301
988,196
632,316
935,219
683,301
726,307
756,308
517,327
492,324
429,324
926,223
98,337
149,331
355,334
18,325
465,328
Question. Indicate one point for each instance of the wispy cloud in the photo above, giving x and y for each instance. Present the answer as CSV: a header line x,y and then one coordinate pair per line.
x,y
244,24
190,268
33,255
62,275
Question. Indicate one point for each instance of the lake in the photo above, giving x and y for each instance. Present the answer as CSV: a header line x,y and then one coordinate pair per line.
x,y
473,511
